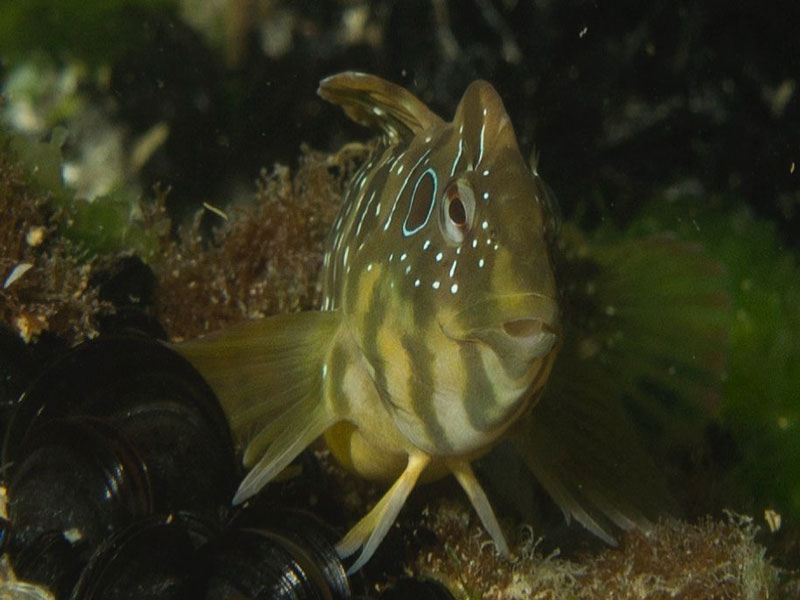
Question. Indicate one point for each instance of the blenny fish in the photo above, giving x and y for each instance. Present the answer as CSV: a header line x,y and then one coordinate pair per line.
x,y
440,324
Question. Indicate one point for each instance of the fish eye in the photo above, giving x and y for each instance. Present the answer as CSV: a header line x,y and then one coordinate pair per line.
x,y
458,209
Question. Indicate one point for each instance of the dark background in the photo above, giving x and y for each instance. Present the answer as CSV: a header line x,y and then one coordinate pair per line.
x,y
622,101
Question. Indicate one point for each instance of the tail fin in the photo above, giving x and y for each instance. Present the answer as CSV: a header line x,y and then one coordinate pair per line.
x,y
645,339
268,376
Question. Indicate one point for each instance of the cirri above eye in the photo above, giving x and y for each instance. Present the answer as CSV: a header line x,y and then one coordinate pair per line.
x,y
458,210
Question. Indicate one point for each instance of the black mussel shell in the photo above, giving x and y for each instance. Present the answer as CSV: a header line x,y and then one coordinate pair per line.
x,y
128,284
118,428
153,558
151,395
291,556
409,588
124,280
76,475
305,530
17,369
51,560
130,320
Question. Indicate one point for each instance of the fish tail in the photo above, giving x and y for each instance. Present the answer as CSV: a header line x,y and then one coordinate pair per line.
x,y
268,375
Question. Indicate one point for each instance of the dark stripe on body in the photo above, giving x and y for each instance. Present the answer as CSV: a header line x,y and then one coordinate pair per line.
x,y
421,386
480,403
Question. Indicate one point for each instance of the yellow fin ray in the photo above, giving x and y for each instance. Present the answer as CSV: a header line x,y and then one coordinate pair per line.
x,y
378,104
268,376
372,528
582,450
297,430
644,343
466,477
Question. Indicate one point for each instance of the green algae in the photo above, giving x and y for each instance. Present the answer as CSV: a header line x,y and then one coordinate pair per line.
x,y
760,404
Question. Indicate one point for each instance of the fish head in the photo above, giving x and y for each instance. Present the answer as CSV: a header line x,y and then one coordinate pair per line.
x,y
496,219
500,302
440,261
476,270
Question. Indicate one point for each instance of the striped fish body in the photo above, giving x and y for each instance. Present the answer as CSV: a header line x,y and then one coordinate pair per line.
x,y
439,265
440,320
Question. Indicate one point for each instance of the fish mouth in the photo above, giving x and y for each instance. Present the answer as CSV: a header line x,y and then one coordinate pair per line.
x,y
522,327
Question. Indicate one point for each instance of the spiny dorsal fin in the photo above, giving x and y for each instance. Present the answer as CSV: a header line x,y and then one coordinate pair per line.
x,y
483,117
378,104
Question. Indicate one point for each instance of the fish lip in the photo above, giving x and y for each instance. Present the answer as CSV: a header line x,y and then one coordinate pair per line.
x,y
497,311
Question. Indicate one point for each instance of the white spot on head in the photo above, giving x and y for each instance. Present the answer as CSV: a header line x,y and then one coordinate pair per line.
x,y
416,283
439,256
486,172
486,196
481,263
400,168
369,267
485,111
453,268
403,256
377,209
408,269
485,225
474,242
391,256
428,139
454,288
426,245
436,285
496,246
377,111
324,370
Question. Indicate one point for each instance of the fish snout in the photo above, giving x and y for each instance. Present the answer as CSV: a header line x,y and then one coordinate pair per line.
x,y
530,337
518,328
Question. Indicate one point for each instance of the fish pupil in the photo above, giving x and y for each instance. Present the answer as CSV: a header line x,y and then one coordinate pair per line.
x,y
457,212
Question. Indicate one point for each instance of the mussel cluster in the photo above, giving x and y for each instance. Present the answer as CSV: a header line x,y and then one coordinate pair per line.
x,y
119,469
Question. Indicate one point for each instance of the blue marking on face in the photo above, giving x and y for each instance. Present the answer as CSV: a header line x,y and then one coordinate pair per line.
x,y
414,199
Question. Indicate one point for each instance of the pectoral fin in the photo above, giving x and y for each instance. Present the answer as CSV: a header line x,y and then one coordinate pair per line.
x,y
268,376
466,477
581,450
378,104
370,530
643,356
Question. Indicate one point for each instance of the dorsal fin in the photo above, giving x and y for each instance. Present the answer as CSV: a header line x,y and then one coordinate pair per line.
x,y
378,104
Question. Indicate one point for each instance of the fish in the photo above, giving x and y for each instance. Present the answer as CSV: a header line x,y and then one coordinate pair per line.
x,y
440,325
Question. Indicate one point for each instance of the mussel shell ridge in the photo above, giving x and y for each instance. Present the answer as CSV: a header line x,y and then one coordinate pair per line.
x,y
118,428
